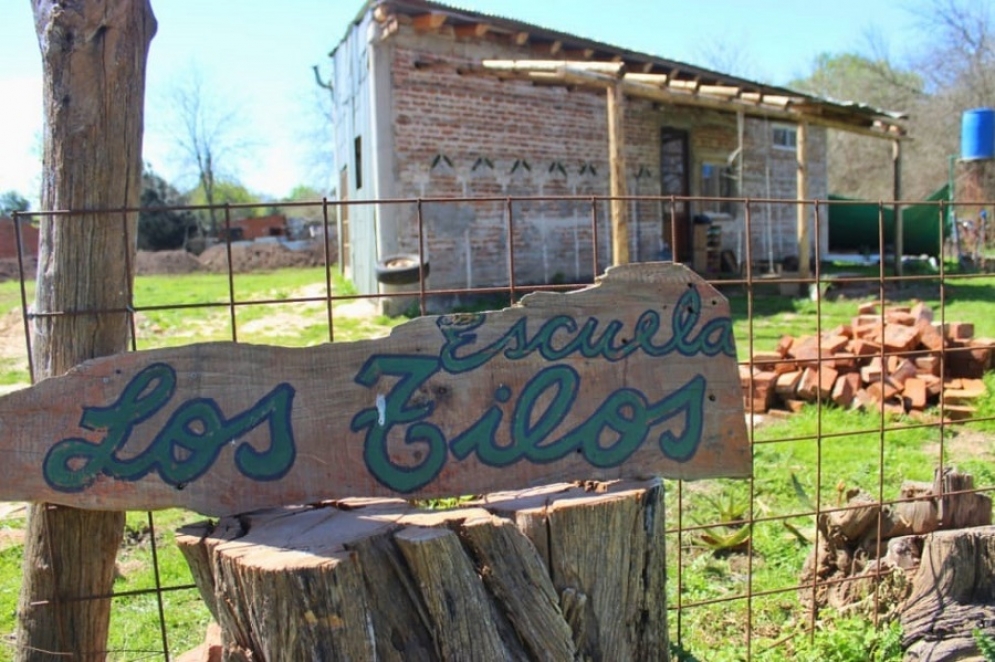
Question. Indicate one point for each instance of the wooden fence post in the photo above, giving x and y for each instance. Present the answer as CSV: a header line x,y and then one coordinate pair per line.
x,y
93,56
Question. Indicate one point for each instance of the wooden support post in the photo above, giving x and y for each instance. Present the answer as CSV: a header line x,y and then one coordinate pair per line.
x,y
616,155
804,238
896,159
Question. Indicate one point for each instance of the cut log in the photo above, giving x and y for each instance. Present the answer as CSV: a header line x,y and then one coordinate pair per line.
x,y
951,596
553,573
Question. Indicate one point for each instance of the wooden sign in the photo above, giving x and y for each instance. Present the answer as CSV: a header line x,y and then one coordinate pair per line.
x,y
633,377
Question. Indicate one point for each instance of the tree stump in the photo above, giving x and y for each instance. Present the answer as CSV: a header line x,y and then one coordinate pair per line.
x,y
951,596
561,572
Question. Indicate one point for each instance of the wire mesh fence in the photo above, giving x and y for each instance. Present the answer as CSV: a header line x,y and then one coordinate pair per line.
x,y
865,428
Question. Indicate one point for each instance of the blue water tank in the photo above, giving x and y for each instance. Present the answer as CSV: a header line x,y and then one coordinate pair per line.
x,y
977,134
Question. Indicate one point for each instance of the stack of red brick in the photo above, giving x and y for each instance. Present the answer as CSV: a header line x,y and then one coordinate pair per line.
x,y
901,361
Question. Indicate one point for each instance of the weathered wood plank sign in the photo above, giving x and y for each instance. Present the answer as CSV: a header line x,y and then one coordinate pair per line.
x,y
632,377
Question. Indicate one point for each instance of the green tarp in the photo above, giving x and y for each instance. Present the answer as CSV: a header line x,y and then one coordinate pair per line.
x,y
854,225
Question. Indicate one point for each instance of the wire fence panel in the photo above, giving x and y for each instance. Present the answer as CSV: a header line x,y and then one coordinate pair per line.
x,y
866,383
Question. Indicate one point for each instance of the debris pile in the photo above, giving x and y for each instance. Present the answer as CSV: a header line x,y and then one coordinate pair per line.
x,y
895,358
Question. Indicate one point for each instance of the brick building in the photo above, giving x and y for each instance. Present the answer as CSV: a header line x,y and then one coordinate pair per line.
x,y
436,102
256,227
8,238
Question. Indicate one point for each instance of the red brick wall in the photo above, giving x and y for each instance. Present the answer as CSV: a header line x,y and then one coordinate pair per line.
x,y
274,225
8,240
462,136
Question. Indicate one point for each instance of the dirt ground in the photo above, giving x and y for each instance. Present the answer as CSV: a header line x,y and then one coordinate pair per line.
x,y
245,257
259,256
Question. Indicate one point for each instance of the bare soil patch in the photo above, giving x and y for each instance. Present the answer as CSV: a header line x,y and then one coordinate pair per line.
x,y
260,256
167,262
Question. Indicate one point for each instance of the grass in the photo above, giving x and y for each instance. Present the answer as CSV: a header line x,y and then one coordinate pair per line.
x,y
812,457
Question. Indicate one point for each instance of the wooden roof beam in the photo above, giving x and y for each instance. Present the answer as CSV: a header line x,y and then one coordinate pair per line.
x,y
669,96
609,68
472,30
579,54
521,38
430,21
603,74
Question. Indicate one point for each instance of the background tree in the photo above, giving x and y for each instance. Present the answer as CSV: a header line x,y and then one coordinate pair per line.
x,y
93,53
950,69
311,213
159,226
861,167
206,135
11,201
227,191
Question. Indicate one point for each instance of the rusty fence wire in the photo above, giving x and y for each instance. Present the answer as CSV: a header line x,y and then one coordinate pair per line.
x,y
745,579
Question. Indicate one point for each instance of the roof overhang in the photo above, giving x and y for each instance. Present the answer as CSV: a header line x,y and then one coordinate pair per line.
x,y
564,59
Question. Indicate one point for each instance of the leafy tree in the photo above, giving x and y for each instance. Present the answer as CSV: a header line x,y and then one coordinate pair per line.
x,y
12,201
951,69
860,166
159,226
311,213
227,191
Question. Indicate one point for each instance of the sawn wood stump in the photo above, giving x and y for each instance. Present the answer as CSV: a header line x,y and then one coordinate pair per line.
x,y
561,572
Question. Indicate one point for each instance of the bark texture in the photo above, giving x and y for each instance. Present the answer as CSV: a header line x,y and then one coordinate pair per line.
x,y
867,553
952,596
93,56
557,573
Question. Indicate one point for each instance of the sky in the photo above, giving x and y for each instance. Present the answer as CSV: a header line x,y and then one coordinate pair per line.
x,y
255,58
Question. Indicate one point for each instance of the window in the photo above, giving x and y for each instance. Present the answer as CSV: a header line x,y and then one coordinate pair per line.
x,y
358,146
784,137
718,181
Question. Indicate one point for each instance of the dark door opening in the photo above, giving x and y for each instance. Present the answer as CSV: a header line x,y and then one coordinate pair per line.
x,y
675,180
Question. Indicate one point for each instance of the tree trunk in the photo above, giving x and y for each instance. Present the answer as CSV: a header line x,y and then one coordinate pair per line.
x,y
555,573
93,56
951,596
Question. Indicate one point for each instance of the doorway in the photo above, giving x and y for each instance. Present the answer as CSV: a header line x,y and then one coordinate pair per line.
x,y
675,180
